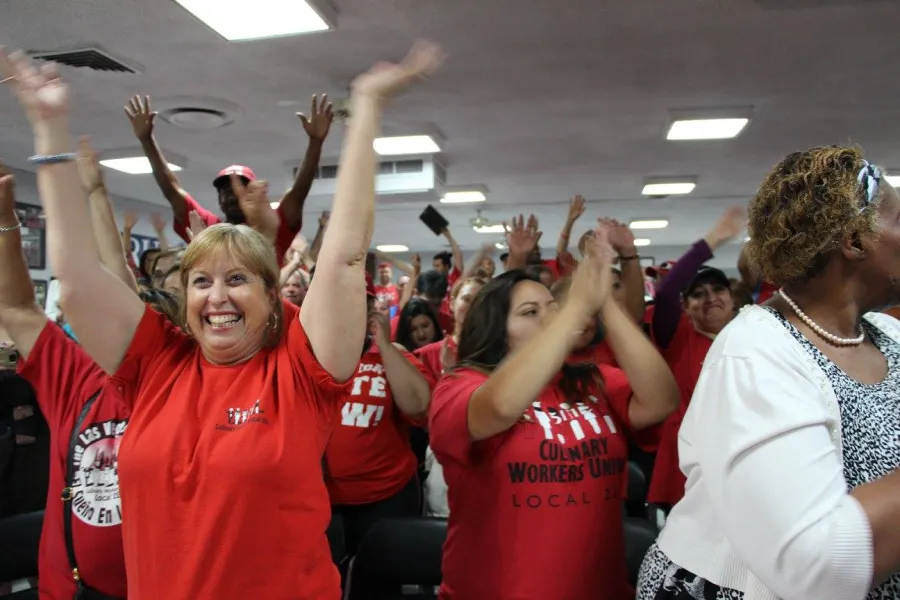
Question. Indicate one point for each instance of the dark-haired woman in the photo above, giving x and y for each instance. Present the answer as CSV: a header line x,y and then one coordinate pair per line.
x,y
534,453
790,444
370,468
417,325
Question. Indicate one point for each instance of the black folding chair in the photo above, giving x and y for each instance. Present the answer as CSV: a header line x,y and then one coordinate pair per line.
x,y
636,496
20,536
399,559
639,536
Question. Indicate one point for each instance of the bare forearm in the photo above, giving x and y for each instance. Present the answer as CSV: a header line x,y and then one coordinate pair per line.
x,y
390,258
165,178
510,390
633,284
458,263
562,245
655,390
293,200
316,245
408,386
112,248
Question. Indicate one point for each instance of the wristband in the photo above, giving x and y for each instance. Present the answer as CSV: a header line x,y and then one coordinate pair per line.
x,y
10,228
52,159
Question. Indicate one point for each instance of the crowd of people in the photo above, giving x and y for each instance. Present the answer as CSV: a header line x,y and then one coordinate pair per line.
x,y
230,417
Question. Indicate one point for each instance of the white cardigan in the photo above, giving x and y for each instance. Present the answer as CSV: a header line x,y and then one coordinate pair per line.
x,y
766,509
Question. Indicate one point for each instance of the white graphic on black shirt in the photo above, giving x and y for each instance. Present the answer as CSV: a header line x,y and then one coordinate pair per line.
x,y
95,488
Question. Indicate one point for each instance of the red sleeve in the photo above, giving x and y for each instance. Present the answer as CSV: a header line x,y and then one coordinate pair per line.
x,y
617,391
208,218
154,336
448,422
62,374
395,323
308,365
285,236
430,355
452,277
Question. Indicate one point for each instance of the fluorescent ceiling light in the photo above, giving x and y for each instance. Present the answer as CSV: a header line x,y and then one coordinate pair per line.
x,y
668,189
491,229
500,246
274,205
238,20
406,144
462,197
706,129
392,248
649,224
137,165
894,180
641,242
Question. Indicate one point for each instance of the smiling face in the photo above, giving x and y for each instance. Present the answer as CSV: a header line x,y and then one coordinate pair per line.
x,y
710,306
230,299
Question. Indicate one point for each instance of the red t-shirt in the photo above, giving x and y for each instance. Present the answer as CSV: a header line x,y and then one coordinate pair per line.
x,y
431,355
685,355
535,511
369,457
600,354
222,487
452,277
64,377
283,237
389,295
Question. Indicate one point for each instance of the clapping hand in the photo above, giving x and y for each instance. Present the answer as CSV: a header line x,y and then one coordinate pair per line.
x,y
592,282
89,166
253,199
196,224
385,79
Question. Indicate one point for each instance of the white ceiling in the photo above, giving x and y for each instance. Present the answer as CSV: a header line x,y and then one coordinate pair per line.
x,y
539,100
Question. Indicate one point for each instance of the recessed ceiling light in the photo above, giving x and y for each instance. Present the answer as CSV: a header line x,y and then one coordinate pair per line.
x,y
491,229
406,144
894,180
641,242
136,165
649,224
669,188
392,248
237,20
461,197
706,129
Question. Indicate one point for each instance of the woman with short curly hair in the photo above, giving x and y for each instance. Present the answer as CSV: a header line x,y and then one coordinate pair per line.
x,y
790,445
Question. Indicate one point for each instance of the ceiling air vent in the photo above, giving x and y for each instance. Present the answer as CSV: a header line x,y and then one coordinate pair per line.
x,y
90,57
195,117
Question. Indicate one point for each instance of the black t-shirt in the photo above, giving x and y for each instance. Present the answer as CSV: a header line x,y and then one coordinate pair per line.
x,y
24,467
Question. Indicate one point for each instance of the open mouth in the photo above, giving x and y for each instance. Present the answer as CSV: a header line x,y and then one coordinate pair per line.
x,y
222,322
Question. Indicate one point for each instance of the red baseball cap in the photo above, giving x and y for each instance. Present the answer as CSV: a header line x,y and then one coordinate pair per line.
x,y
240,170
662,268
384,265
370,286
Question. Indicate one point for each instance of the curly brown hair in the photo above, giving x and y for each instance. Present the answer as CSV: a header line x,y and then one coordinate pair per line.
x,y
807,204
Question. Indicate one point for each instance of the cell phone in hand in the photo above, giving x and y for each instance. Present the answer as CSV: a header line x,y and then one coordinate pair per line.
x,y
434,220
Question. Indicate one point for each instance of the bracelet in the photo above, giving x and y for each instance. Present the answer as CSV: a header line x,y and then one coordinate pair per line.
x,y
632,257
52,159
10,228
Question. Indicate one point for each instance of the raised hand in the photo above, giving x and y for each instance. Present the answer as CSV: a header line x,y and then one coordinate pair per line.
x,y
130,220
385,79
379,327
254,202
196,224
621,238
576,208
141,116
89,165
41,92
159,223
323,218
592,282
319,121
300,244
522,238
728,227
416,262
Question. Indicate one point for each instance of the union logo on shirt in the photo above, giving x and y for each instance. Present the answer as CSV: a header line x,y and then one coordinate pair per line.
x,y
569,419
238,417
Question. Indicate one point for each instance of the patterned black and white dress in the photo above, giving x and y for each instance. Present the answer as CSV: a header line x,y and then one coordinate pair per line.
x,y
870,428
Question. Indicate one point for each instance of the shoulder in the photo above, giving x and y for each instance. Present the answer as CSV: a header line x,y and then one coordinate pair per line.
x,y
753,331
885,323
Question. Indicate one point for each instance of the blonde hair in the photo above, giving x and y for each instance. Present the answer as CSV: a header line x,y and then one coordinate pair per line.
x,y
462,282
249,248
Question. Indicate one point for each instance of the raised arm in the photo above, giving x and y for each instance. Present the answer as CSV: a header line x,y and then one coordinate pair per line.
x,y
112,247
576,209
455,251
622,241
334,310
19,315
316,125
410,389
102,310
142,119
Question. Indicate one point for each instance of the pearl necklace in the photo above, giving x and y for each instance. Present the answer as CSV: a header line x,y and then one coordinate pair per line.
x,y
828,337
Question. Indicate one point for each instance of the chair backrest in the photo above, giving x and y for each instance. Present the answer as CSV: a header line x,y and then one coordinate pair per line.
x,y
639,536
395,554
637,483
20,536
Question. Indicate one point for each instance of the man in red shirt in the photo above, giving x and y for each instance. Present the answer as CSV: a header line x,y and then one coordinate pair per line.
x,y
386,292
290,209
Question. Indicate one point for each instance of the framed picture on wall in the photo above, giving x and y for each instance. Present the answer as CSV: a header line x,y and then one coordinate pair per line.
x,y
647,261
40,293
34,241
